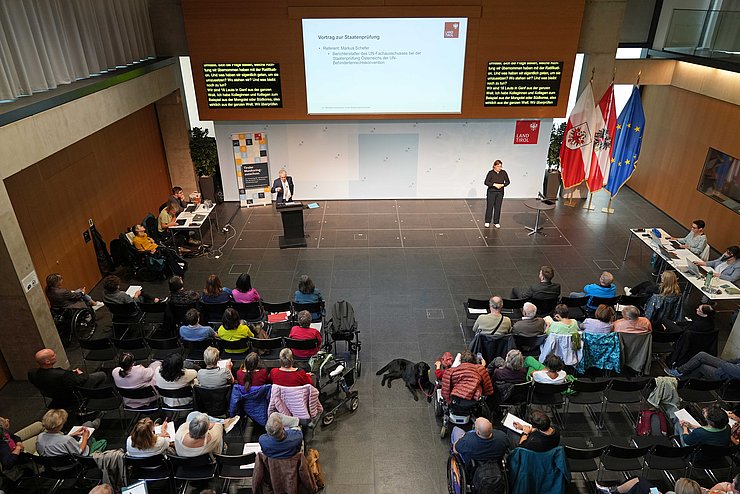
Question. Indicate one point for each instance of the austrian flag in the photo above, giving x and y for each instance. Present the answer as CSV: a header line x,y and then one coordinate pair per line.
x,y
575,152
605,127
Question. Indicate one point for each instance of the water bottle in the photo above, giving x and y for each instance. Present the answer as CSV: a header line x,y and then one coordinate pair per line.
x,y
708,280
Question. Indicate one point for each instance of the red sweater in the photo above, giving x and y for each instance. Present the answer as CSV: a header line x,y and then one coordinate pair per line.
x,y
299,333
289,378
259,377
466,381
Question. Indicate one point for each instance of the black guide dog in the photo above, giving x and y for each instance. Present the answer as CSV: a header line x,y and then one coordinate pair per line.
x,y
414,375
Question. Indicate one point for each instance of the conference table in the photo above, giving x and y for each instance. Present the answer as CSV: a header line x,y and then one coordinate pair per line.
x,y
718,289
194,219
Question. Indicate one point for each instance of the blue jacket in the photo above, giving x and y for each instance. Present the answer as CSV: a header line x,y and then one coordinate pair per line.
x,y
731,273
531,472
253,402
596,290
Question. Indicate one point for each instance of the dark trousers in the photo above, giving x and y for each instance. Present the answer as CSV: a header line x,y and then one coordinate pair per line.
x,y
494,199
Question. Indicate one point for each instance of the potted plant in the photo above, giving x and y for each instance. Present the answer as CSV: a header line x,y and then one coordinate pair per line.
x,y
204,154
552,174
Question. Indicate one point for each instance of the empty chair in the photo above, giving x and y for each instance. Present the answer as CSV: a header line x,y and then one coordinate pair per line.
x,y
663,345
545,306
583,460
153,315
234,467
251,312
139,395
668,459
625,392
475,307
698,391
709,458
103,399
621,459
161,347
175,314
529,345
214,401
193,469
518,398
123,316
636,300
212,314
586,393
730,392
151,469
278,311
513,307
610,301
97,350
135,346
57,469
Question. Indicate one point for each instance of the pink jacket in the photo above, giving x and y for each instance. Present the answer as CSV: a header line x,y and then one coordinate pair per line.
x,y
296,401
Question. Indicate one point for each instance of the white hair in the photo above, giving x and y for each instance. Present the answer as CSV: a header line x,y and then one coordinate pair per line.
x,y
198,426
529,309
274,425
210,356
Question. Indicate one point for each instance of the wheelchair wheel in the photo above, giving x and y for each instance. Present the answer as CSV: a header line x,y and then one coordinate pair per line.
x,y
443,431
456,481
146,274
353,404
328,419
83,323
358,366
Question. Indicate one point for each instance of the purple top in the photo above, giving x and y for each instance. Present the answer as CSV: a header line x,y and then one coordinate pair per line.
x,y
245,298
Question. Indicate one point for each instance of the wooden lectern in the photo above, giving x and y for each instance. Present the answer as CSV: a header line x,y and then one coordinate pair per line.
x,y
293,234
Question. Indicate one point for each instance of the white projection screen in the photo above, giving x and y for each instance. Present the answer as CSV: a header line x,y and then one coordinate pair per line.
x,y
366,66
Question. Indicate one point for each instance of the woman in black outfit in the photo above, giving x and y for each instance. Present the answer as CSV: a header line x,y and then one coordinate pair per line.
x,y
496,180
542,436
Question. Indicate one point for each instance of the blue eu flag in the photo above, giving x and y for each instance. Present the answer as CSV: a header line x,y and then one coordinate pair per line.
x,y
627,142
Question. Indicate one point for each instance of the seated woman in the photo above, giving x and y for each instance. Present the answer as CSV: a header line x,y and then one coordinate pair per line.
x,y
304,331
307,293
602,321
60,297
286,374
234,329
11,449
171,375
179,295
541,436
129,375
144,442
200,435
512,371
552,372
214,292
725,267
214,376
632,322
561,323
702,321
193,330
639,485
666,302
252,372
716,432
112,294
244,293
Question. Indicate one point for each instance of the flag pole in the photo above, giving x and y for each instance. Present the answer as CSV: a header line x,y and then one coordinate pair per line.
x,y
589,206
570,203
608,209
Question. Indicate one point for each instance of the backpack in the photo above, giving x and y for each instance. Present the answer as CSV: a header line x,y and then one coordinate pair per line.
x,y
487,479
652,423
119,252
342,318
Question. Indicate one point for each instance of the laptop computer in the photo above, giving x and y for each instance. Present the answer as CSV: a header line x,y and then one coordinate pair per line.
x,y
181,222
697,271
199,217
191,208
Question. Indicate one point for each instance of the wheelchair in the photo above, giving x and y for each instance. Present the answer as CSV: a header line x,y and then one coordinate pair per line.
x,y
460,476
335,382
74,324
458,413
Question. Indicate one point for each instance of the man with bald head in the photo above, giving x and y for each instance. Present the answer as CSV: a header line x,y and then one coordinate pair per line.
x,y
495,322
480,444
58,383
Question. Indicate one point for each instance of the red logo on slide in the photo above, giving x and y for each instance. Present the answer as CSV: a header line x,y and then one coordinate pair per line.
x,y
452,29
527,131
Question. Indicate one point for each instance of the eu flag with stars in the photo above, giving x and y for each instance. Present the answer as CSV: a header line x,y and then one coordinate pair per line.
x,y
627,142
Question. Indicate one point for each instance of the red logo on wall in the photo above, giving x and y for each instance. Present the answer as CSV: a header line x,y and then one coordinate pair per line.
x,y
452,30
526,132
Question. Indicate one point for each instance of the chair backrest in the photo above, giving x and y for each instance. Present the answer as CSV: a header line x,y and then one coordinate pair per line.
x,y
235,460
184,392
545,306
589,386
313,307
178,311
129,344
153,308
213,401
664,451
212,312
705,253
610,301
189,468
155,467
478,304
239,346
636,300
583,453
518,394
666,336
514,303
196,348
250,312
274,307
266,344
628,385
574,302
295,344
548,389
123,310
103,392
624,453
137,393
172,343
700,384
96,344
57,467
529,343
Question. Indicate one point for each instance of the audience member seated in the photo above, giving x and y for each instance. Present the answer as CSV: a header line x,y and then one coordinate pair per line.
x,y
199,436
483,443
724,487
639,485
286,374
716,432
103,489
59,383
702,322
177,200
172,375
512,369
179,295
552,372
695,240
708,367
544,290
561,323
129,375
192,330
53,442
252,372
112,294
469,380
307,293
214,376
144,442
632,322
602,321
541,436
244,293
495,322
60,297
214,292
725,267
530,324
283,437
11,449
605,288
304,331
666,302
234,329
175,265
167,218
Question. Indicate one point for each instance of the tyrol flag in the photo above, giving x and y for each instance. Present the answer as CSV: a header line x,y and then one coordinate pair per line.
x,y
605,124
627,142
575,152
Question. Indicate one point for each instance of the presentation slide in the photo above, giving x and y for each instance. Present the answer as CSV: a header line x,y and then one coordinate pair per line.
x,y
523,83
243,85
365,66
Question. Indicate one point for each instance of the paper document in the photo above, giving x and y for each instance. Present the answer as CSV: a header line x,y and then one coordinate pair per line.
x,y
278,317
316,326
132,290
509,422
78,427
684,415
170,429
477,311
250,448
223,362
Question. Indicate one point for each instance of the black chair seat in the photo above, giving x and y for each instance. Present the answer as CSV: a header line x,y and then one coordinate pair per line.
x,y
101,355
235,472
621,464
697,396
711,462
642,441
582,465
582,398
192,472
112,403
547,399
660,347
661,463
623,396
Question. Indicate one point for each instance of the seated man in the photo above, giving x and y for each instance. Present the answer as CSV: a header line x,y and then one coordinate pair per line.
x,y
192,329
304,331
543,290
177,199
495,322
632,321
112,294
483,443
605,288
143,243
530,325
58,383
179,295
283,437
468,381
60,297
541,435
167,219
695,240
726,266
704,365
214,376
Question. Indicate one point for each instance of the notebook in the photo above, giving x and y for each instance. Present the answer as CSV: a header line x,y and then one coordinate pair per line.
x,y
509,422
137,488
250,448
132,290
